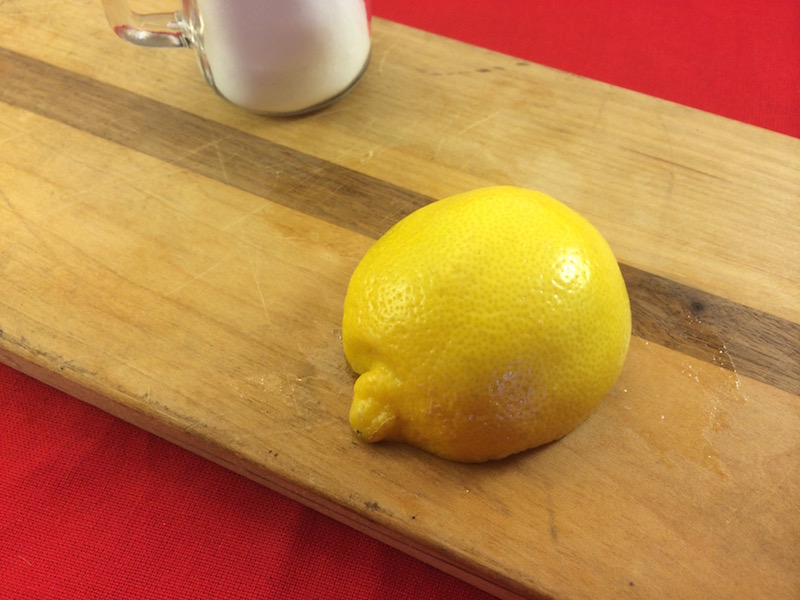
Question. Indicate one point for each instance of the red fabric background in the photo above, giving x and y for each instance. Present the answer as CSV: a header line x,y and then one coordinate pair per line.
x,y
93,507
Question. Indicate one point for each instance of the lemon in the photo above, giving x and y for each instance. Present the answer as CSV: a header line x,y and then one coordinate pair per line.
x,y
483,325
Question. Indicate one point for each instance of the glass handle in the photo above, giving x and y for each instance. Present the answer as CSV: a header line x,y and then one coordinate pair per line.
x,y
154,30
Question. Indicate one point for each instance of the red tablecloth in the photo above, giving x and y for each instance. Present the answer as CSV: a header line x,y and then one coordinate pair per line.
x,y
93,507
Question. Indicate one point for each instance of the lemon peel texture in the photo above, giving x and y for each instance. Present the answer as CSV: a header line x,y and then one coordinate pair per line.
x,y
483,325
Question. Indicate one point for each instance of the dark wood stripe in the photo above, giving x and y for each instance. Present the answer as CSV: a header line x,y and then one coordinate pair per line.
x,y
696,323
300,181
714,329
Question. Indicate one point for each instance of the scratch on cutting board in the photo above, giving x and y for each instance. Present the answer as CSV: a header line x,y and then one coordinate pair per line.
x,y
345,154
399,133
383,58
203,147
222,164
199,276
479,122
464,130
258,288
228,227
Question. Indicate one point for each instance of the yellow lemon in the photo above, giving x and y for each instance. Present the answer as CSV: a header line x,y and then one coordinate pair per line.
x,y
484,324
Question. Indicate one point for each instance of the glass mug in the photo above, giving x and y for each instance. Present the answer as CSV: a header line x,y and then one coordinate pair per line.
x,y
279,57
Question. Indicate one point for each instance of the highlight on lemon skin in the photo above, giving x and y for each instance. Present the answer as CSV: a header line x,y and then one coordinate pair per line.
x,y
483,325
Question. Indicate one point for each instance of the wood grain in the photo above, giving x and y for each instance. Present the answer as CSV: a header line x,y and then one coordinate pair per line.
x,y
665,312
182,265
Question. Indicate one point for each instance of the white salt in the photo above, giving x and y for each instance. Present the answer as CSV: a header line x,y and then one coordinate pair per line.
x,y
283,56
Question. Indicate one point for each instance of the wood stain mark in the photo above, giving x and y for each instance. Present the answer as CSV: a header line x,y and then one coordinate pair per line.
x,y
665,312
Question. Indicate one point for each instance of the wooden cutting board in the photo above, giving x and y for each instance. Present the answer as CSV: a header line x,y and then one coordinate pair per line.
x,y
182,264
